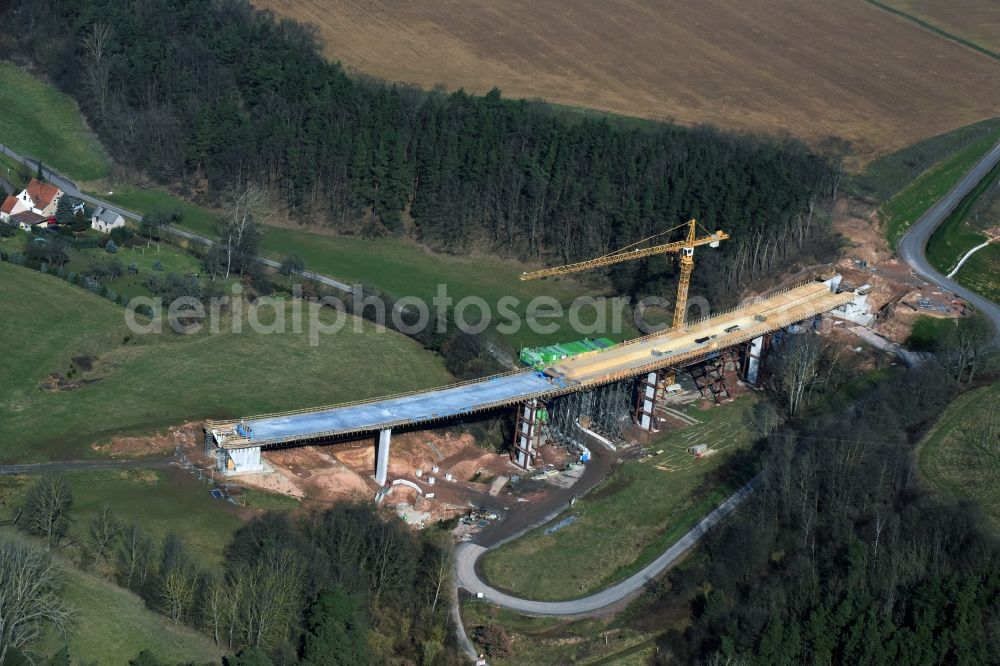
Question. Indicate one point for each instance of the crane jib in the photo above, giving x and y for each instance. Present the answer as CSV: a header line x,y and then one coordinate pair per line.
x,y
628,255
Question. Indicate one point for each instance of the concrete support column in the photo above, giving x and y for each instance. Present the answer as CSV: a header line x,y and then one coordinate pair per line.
x,y
754,355
382,456
652,391
526,433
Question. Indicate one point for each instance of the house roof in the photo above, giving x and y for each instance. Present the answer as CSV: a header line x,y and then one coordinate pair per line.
x,y
29,217
8,204
105,215
42,193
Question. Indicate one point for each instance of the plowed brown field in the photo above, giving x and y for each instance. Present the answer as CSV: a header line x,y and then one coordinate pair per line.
x,y
975,20
809,68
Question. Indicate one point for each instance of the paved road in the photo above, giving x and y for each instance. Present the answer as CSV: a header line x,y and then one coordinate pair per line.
x,y
468,554
77,465
912,245
70,188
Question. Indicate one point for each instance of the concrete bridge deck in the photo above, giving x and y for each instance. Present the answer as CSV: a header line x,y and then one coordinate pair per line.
x,y
673,347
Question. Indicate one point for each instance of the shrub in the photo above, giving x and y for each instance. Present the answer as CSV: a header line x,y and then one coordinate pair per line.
x,y
122,235
291,264
494,639
157,265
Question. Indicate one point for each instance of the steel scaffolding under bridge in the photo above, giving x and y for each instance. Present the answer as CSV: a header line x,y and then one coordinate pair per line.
x,y
243,439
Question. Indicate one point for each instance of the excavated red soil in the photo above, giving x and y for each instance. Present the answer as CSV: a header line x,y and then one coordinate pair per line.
x,y
187,436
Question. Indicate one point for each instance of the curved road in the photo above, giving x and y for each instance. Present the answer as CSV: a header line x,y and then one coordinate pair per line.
x,y
467,555
913,243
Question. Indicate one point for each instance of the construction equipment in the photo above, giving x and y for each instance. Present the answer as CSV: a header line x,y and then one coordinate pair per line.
x,y
537,357
685,247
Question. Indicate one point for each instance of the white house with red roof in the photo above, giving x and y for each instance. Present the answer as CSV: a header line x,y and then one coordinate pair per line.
x,y
38,197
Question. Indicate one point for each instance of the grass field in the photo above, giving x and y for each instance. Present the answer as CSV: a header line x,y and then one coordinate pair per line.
x,y
927,331
885,177
16,173
981,272
977,21
141,383
961,231
960,457
908,205
160,501
39,121
195,218
399,267
114,626
814,70
627,520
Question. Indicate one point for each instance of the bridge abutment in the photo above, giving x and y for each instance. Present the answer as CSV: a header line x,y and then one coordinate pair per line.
x,y
240,461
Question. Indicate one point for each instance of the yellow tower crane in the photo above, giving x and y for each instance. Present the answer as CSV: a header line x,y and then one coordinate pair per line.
x,y
685,247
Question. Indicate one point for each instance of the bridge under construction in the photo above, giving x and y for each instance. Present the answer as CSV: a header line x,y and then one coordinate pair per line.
x,y
653,359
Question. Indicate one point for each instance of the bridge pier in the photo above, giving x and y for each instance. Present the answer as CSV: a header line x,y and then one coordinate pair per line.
x,y
755,352
528,431
382,456
652,391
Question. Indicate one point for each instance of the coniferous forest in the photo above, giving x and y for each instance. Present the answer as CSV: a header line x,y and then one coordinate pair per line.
x,y
203,96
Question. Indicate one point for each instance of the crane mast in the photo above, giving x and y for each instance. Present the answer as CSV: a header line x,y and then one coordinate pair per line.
x,y
685,247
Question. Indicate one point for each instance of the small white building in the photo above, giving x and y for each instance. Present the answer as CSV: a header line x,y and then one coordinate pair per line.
x,y
104,220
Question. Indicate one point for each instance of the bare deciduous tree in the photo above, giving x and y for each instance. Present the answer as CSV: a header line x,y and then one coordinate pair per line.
x,y
764,418
796,367
29,595
247,209
177,588
268,598
969,348
387,558
96,44
104,529
437,565
214,609
134,557
46,508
